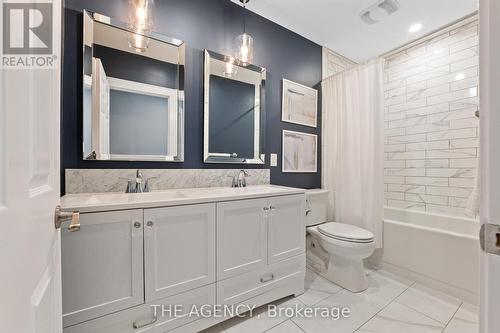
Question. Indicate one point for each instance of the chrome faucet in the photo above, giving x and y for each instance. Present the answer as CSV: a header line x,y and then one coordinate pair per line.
x,y
138,181
241,180
138,186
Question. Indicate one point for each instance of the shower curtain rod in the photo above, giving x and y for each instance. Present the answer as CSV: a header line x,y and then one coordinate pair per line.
x,y
356,64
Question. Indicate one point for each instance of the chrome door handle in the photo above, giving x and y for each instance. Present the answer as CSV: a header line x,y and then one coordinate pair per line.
x,y
60,217
489,238
264,280
137,325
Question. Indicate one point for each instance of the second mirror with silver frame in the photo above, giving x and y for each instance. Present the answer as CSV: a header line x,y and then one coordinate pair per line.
x,y
234,117
133,99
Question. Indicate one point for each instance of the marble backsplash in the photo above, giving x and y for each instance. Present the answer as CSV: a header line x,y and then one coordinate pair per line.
x,y
115,180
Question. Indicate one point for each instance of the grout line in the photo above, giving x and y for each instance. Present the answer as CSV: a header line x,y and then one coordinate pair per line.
x,y
290,320
454,314
423,314
275,325
383,308
300,328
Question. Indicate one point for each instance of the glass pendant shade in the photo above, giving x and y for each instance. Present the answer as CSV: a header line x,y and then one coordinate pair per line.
x,y
140,22
138,43
231,67
244,49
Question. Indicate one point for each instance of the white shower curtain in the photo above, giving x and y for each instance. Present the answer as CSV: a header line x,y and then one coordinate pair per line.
x,y
353,146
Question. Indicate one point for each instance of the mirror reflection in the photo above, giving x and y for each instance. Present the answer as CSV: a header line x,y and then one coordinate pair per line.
x,y
133,99
234,113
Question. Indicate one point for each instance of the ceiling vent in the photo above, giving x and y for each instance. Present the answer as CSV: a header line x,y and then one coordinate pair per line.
x,y
379,11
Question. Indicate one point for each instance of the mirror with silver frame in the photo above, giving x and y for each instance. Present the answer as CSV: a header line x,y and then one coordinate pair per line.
x,y
133,99
234,117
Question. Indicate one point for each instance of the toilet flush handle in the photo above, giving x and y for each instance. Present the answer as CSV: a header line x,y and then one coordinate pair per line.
x,y
308,208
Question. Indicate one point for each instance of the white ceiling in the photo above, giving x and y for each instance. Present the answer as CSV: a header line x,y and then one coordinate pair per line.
x,y
336,23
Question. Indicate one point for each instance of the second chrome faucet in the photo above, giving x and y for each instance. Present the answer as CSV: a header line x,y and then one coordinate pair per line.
x,y
240,180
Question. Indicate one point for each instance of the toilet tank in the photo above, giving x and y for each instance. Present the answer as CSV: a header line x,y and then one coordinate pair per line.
x,y
317,206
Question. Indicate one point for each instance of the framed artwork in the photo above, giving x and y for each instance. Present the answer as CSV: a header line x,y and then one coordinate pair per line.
x,y
299,104
299,152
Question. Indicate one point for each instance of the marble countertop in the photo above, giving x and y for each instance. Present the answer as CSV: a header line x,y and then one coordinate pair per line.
x,y
99,202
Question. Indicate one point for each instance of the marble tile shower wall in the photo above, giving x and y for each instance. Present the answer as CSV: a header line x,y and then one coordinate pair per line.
x,y
432,134
334,63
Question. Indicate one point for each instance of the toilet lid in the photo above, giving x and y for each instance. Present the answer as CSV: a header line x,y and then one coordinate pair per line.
x,y
345,232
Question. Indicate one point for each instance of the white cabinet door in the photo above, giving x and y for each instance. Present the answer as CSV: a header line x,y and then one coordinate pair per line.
x,y
287,230
179,249
102,265
241,236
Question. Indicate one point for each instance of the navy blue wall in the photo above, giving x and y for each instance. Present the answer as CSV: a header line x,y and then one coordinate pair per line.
x,y
210,24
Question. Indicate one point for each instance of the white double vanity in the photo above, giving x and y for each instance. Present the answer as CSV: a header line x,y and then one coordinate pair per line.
x,y
226,246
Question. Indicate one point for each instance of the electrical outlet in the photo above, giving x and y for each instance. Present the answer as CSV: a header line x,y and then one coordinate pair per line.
x,y
274,160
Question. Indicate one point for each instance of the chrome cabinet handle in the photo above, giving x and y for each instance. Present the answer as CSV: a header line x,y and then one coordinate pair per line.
x,y
264,280
137,225
137,325
272,208
75,222
150,224
60,217
266,209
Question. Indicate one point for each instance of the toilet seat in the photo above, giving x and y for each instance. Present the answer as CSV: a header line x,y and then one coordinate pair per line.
x,y
345,232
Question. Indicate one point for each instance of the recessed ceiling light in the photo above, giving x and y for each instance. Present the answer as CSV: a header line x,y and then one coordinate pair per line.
x,y
415,27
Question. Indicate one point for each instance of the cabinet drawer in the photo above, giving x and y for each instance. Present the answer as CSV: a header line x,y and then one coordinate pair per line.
x,y
243,287
143,315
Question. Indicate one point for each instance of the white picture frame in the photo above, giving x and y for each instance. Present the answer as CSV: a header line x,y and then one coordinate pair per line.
x,y
299,104
299,152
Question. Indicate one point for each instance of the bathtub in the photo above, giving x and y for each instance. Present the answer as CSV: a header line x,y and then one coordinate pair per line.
x,y
439,251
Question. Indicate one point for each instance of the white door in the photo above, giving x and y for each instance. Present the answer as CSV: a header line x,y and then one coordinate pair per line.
x,y
101,111
179,249
241,236
30,267
287,228
490,156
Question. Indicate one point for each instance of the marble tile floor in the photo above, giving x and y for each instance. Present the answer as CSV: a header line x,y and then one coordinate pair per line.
x,y
391,304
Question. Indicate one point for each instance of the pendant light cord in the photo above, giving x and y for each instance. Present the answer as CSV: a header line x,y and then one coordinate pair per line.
x,y
244,2
244,17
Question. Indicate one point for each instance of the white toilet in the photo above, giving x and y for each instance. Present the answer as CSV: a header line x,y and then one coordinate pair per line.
x,y
336,250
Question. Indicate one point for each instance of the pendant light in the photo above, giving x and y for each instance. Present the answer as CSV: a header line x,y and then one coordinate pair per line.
x,y
244,43
231,67
140,23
